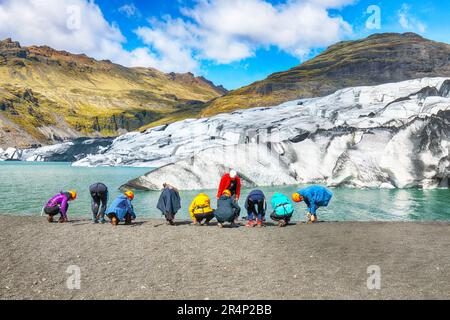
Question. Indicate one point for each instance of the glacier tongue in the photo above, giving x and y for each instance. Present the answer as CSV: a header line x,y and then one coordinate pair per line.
x,y
360,107
414,155
389,136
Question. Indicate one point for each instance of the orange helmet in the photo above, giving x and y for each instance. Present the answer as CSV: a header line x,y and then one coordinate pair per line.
x,y
227,192
73,194
297,197
129,194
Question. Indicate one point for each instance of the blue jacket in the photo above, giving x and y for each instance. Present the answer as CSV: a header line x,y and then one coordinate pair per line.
x,y
121,206
315,197
227,209
281,205
255,195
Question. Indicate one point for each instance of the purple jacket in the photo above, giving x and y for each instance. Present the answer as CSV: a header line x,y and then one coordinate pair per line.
x,y
60,200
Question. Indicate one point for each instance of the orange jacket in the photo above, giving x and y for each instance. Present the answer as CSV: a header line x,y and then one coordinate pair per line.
x,y
225,184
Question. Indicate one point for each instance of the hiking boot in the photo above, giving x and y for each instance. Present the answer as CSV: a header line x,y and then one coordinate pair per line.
x,y
114,221
250,224
50,219
281,223
62,220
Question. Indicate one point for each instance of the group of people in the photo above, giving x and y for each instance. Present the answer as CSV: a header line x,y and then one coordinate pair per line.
x,y
200,209
121,208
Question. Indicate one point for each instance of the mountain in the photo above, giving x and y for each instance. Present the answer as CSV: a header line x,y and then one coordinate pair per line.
x,y
378,59
48,96
391,135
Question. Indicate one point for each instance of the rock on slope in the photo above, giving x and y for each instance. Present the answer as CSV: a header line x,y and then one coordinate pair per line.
x,y
392,135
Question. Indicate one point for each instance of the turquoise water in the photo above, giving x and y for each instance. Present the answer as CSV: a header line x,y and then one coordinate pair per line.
x,y
25,187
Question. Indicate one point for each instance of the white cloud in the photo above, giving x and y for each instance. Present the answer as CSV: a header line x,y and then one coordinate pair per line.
x,y
130,10
225,31
408,21
77,26
221,31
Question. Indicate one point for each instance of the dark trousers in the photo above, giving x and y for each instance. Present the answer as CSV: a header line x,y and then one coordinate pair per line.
x,y
99,201
128,218
235,215
52,211
237,211
204,216
274,217
255,207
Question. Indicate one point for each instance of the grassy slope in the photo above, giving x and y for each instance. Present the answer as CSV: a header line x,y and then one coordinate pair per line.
x,y
92,97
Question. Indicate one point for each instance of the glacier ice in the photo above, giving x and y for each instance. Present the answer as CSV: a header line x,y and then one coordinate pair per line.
x,y
388,136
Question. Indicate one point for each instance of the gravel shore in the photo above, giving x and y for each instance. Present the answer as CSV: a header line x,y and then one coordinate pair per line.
x,y
150,260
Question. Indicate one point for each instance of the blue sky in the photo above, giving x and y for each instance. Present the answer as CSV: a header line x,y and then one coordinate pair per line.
x,y
231,42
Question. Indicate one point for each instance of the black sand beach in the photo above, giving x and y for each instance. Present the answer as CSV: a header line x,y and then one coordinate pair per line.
x,y
150,260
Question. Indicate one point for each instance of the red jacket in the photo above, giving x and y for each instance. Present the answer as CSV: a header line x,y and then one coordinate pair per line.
x,y
225,184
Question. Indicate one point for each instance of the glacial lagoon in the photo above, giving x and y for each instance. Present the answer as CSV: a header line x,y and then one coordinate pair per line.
x,y
25,187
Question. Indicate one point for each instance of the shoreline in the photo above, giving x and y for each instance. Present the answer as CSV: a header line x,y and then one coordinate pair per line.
x,y
150,260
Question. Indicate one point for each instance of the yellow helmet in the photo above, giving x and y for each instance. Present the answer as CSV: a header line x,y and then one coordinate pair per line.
x,y
227,192
129,194
297,197
73,194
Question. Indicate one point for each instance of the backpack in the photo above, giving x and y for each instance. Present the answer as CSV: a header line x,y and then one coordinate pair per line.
x,y
202,202
282,205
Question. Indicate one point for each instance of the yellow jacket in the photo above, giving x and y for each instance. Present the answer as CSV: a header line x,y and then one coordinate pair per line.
x,y
200,205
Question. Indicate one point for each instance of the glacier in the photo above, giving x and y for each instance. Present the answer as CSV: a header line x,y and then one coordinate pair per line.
x,y
389,136
393,135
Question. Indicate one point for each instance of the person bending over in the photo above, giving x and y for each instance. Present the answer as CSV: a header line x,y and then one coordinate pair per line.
x,y
200,209
230,181
59,204
121,209
227,209
314,197
169,203
256,207
99,201
282,209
